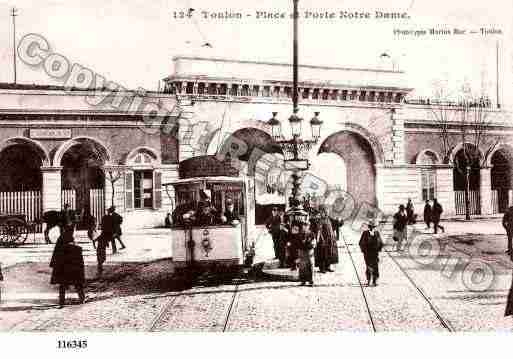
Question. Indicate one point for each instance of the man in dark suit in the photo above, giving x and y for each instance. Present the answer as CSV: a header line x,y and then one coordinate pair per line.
x,y
68,266
117,220
274,225
370,245
106,237
436,215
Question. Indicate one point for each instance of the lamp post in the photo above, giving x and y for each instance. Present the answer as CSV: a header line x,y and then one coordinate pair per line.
x,y
295,149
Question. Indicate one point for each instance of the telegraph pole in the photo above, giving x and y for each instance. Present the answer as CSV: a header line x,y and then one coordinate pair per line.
x,y
14,14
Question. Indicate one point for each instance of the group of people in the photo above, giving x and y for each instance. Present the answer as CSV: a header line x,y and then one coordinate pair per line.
x,y
67,260
303,244
203,213
432,212
406,216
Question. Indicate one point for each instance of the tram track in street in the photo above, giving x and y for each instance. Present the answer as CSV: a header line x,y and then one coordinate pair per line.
x,y
229,312
160,319
445,323
371,319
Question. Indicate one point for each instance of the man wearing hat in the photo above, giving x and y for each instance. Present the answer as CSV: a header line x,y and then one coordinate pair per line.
x,y
274,225
230,215
117,220
68,266
400,227
370,245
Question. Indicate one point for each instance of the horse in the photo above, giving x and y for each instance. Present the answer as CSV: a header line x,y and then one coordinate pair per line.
x,y
58,219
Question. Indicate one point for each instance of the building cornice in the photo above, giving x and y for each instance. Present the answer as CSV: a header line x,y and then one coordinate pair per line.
x,y
269,63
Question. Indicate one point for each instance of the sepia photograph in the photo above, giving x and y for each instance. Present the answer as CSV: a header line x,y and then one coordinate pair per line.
x,y
291,167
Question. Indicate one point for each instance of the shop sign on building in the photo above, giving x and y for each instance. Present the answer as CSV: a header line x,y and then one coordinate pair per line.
x,y
50,133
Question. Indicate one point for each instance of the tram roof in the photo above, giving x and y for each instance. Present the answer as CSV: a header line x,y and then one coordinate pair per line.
x,y
225,179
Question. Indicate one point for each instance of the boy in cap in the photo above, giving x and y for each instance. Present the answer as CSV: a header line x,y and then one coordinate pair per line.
x,y
370,245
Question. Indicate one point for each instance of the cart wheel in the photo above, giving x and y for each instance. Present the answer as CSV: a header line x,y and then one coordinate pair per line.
x,y
16,232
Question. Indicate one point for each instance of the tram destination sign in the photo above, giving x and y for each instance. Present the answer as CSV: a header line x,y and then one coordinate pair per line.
x,y
50,133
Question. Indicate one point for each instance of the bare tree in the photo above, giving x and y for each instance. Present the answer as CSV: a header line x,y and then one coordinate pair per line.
x,y
441,111
113,174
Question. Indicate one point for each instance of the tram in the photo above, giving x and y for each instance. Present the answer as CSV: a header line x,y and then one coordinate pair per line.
x,y
211,221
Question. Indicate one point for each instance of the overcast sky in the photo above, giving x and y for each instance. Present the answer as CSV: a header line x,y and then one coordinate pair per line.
x,y
132,41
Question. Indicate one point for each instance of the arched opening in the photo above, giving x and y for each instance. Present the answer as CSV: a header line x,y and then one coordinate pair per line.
x,y
501,177
83,178
21,169
466,164
21,179
263,160
355,154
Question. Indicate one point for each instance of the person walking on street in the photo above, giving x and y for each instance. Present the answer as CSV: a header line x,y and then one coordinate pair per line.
x,y
326,251
117,220
305,246
400,227
428,214
507,223
68,266
437,214
410,212
103,240
274,225
370,245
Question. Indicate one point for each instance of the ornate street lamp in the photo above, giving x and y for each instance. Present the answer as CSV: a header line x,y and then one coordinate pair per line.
x,y
295,150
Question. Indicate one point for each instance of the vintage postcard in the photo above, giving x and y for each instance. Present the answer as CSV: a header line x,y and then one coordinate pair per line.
x,y
285,167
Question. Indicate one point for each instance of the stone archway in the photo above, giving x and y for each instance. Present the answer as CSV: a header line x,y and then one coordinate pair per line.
x,y
82,175
21,163
501,174
359,158
261,160
466,161
21,180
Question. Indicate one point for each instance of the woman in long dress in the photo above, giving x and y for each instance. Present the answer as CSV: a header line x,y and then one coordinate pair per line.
x,y
305,245
326,251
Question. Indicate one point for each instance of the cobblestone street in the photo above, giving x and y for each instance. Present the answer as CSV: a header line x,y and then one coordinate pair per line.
x,y
416,291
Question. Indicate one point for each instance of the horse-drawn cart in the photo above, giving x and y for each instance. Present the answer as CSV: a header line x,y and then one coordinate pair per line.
x,y
14,229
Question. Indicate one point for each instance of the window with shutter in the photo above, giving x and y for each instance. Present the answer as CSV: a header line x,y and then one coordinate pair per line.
x,y
157,189
129,194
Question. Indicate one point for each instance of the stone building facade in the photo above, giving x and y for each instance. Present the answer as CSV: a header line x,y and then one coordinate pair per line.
x,y
84,152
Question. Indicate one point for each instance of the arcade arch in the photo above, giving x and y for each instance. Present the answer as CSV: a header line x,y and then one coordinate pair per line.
x,y
82,175
501,172
359,159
